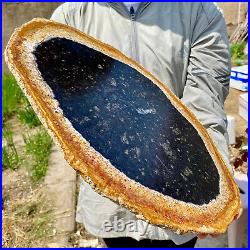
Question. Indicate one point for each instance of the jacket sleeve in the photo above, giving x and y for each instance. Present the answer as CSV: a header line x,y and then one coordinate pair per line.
x,y
70,13
208,74
61,14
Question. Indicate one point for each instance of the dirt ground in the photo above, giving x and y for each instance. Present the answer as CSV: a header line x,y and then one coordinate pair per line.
x,y
37,214
26,214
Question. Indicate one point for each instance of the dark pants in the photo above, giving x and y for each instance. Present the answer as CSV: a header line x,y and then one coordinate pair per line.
x,y
127,242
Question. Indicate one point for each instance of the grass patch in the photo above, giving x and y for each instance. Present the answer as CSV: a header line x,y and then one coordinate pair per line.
x,y
38,146
26,214
28,116
10,157
12,96
237,54
14,102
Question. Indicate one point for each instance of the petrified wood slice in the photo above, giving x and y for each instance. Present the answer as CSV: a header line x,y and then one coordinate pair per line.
x,y
125,132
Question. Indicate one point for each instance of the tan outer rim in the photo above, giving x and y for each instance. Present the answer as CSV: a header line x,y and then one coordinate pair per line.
x,y
150,205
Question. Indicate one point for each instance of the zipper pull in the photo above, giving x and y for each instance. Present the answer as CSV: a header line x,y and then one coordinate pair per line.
x,y
132,13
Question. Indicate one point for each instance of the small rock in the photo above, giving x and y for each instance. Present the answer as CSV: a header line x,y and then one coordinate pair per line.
x,y
88,243
56,245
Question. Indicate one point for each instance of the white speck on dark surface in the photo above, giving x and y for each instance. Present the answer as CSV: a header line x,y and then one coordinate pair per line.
x,y
146,111
124,138
113,82
96,109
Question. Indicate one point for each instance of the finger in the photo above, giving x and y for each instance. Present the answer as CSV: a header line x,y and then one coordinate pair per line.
x,y
239,214
214,235
202,236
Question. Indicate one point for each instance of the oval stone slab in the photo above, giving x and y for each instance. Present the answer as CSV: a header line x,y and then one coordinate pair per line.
x,y
129,120
129,136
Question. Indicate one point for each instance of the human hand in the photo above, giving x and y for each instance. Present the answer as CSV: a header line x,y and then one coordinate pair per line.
x,y
203,236
242,182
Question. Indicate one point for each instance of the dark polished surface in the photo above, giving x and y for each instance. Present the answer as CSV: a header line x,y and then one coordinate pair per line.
x,y
129,120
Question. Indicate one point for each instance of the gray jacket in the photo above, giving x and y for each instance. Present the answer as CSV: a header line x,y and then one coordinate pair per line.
x,y
185,45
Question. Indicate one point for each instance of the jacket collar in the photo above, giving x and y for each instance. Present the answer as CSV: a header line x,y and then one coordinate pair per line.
x,y
121,8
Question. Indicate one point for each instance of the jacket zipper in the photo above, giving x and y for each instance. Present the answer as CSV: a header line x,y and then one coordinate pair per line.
x,y
134,49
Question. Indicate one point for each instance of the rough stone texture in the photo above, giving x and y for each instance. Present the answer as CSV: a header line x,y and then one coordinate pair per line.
x,y
61,183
